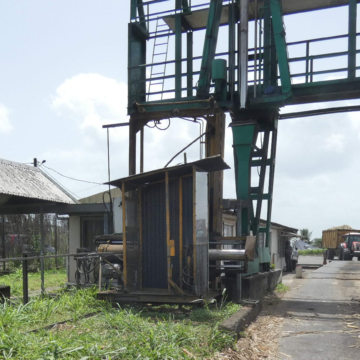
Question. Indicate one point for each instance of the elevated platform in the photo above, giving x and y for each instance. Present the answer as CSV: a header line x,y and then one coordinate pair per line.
x,y
197,19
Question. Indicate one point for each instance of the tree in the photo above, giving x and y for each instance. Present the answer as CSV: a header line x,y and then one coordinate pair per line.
x,y
306,235
317,242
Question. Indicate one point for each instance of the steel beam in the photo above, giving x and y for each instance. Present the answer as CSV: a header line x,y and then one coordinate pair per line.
x,y
212,30
280,43
352,38
178,48
243,52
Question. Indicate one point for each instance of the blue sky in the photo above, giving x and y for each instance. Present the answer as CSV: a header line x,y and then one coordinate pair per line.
x,y
63,71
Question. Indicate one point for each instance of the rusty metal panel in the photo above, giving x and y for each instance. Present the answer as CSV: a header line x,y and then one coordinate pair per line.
x,y
30,182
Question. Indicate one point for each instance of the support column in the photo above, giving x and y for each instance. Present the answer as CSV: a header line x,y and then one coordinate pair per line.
x,y
215,142
215,145
243,52
352,38
3,241
178,63
132,148
42,251
56,240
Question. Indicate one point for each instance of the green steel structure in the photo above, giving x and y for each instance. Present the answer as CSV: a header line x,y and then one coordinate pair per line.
x,y
169,77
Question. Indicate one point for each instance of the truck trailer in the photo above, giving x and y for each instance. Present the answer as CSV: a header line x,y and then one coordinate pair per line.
x,y
343,243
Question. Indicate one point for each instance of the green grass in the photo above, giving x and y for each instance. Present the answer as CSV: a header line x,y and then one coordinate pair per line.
x,y
282,288
53,278
312,252
115,333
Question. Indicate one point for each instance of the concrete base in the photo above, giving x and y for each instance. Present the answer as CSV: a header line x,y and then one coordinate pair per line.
x,y
4,292
239,321
274,279
254,287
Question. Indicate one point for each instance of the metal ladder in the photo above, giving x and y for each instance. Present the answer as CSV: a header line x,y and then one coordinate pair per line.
x,y
162,47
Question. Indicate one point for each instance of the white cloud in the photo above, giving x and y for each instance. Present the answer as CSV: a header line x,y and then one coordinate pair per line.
x,y
92,100
5,125
335,142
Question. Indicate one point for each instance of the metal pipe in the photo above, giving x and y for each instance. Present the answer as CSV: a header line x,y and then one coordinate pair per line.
x,y
255,48
141,150
227,254
3,242
116,249
25,280
55,240
42,260
100,274
243,52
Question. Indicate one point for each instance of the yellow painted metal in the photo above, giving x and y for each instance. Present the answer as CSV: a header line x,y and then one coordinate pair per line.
x,y
181,232
172,247
168,228
332,238
124,232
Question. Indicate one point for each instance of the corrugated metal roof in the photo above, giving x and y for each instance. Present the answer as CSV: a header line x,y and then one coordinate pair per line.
x,y
212,163
30,182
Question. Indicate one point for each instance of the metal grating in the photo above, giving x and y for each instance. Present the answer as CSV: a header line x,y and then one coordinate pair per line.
x,y
154,252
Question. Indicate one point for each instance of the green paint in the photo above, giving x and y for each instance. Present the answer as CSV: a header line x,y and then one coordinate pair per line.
x,y
280,43
178,46
210,42
189,63
264,255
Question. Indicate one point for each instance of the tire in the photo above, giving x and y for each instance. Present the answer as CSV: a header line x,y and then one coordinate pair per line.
x,y
331,254
340,254
293,265
347,257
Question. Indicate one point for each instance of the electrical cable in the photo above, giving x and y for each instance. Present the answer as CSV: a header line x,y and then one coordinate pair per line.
x,y
187,146
68,177
164,128
56,181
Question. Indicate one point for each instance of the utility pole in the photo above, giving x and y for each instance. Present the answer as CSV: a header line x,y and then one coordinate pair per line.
x,y
35,162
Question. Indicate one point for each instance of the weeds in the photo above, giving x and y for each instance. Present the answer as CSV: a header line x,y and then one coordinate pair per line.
x,y
122,333
282,288
53,278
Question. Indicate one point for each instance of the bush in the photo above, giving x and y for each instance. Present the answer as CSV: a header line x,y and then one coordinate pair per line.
x,y
312,252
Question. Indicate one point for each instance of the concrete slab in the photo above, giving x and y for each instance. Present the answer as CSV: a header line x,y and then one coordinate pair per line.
x,y
322,316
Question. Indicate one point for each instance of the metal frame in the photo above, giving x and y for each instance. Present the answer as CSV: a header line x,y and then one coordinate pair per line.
x,y
254,89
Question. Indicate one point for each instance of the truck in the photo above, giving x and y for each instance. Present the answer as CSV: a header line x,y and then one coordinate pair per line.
x,y
343,243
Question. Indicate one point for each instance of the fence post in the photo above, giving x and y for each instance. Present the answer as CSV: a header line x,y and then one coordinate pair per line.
x,y
25,280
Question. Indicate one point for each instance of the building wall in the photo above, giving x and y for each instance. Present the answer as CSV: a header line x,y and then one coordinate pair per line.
x,y
98,198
